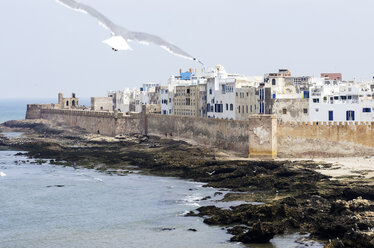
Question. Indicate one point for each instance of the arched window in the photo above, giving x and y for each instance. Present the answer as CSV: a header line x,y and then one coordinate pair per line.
x,y
67,103
73,103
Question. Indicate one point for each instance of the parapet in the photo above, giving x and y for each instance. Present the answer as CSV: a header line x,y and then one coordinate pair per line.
x,y
325,123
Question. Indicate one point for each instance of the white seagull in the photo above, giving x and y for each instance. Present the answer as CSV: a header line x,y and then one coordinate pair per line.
x,y
121,35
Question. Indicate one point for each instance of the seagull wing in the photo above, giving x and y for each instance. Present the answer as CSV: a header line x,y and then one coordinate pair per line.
x,y
146,38
103,21
118,31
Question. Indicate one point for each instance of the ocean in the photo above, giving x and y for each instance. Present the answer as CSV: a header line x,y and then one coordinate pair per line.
x,y
54,206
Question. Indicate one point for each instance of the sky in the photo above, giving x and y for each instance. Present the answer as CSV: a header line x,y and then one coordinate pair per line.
x,y
47,48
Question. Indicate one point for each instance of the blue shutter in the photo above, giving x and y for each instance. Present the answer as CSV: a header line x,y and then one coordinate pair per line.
x,y
331,115
306,94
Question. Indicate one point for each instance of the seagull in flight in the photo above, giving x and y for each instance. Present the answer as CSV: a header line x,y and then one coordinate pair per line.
x,y
121,35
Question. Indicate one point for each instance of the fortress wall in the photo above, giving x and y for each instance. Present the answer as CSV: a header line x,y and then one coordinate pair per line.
x,y
224,134
261,136
34,110
326,139
105,123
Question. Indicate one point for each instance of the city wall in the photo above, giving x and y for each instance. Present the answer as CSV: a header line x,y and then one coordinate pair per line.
x,y
325,139
105,123
256,135
261,136
225,134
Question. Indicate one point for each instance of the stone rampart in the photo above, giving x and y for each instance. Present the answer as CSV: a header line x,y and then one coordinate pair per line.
x,y
33,110
325,139
106,123
261,136
256,136
224,134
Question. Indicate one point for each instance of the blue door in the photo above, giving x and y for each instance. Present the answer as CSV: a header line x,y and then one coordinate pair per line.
x,y
331,115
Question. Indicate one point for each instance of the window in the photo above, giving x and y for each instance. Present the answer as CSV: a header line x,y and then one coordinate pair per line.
x,y
262,93
316,100
305,111
350,115
274,96
343,98
251,108
331,115
336,97
366,110
247,93
231,107
236,93
284,111
273,81
306,94
210,91
208,108
227,106
239,109
349,97
246,109
188,91
262,108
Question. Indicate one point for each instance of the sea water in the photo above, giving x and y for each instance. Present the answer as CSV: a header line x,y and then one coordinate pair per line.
x,y
54,206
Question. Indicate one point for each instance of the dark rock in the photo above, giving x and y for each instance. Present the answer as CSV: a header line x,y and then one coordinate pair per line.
x,y
258,233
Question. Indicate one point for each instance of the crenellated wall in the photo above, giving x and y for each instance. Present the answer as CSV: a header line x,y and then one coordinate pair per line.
x,y
325,139
225,134
105,123
261,136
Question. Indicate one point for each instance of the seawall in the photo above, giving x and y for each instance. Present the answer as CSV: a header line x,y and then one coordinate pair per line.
x,y
255,137
262,136
325,139
104,123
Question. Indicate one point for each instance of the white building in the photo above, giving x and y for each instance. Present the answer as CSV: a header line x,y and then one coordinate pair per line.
x,y
332,100
231,96
123,99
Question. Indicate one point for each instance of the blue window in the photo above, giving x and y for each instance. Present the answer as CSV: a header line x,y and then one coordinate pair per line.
x,y
274,96
331,115
262,108
350,115
366,110
306,94
210,91
262,94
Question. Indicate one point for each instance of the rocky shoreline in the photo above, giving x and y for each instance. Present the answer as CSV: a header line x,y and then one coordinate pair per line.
x,y
295,196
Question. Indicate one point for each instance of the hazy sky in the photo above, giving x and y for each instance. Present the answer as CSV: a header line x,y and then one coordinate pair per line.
x,y
46,48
